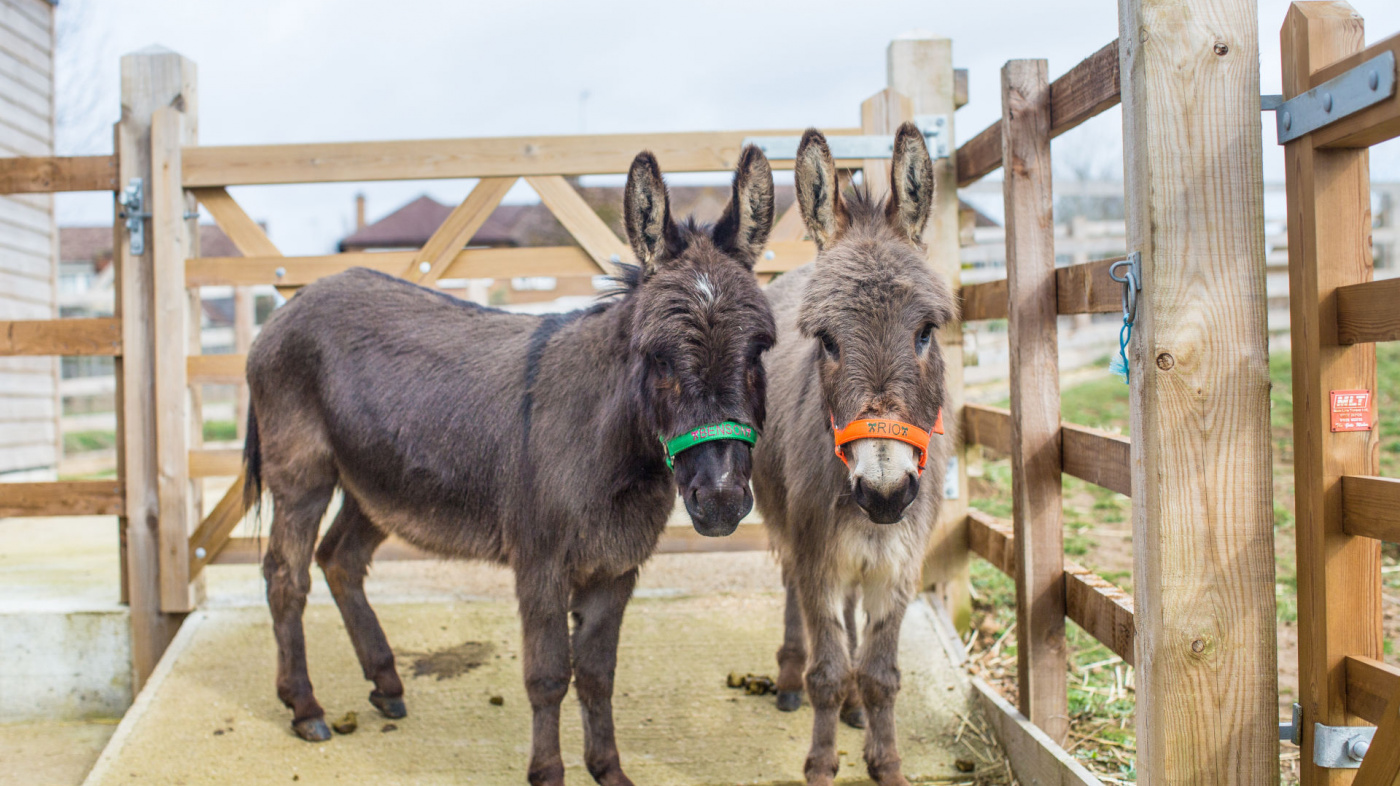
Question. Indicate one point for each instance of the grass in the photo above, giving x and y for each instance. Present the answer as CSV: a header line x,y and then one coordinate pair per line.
x,y
1100,696
75,442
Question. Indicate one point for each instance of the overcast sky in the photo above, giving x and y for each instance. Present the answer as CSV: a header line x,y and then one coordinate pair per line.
x,y
340,70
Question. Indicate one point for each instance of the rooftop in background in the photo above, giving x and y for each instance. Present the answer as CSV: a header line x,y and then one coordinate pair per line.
x,y
533,225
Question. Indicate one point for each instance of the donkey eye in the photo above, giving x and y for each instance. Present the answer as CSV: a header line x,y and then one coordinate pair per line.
x,y
663,368
829,344
925,336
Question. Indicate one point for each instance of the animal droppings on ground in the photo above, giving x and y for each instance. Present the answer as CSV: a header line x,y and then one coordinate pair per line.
x,y
347,724
498,700
453,661
965,765
752,684
388,727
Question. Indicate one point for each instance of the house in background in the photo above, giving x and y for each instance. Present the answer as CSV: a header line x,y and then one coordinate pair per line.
x,y
29,430
87,385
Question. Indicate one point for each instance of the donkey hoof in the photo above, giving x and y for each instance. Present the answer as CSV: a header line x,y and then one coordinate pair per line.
x,y
391,707
312,729
789,700
853,717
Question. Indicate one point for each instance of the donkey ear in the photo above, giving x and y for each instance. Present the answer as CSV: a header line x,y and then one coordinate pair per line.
x,y
911,183
818,194
647,208
743,229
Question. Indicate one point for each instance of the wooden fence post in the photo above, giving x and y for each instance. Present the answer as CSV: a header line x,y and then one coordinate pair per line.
x,y
151,79
922,70
171,244
1329,227
1035,396
1203,578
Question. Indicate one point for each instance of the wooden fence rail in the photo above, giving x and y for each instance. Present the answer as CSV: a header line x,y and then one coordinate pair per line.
x,y
1095,604
1085,91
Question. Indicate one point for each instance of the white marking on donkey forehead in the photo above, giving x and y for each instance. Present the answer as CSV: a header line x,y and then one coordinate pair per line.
x,y
704,288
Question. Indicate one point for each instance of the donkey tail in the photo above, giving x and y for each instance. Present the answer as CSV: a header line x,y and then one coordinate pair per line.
x,y
252,462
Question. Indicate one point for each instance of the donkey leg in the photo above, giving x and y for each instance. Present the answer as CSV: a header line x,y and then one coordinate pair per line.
x,y
878,679
852,713
544,618
792,656
597,611
344,557
828,677
287,569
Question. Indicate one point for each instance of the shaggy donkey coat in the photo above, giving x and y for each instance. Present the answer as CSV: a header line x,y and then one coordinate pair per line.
x,y
856,340
526,441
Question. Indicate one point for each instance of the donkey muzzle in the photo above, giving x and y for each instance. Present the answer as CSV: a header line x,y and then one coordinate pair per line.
x,y
884,477
714,483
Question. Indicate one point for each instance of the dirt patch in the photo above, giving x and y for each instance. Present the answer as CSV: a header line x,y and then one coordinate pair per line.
x,y
451,662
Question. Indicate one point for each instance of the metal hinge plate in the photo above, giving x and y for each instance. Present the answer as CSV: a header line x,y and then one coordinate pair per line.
x,y
936,136
133,202
1341,747
1365,85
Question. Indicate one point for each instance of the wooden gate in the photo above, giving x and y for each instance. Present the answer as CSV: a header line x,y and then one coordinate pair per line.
x,y
1338,313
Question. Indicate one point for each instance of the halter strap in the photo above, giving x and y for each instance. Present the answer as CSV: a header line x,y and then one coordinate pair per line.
x,y
880,428
706,433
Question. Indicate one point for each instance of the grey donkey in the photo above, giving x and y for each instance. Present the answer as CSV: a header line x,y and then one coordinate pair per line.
x,y
857,341
534,442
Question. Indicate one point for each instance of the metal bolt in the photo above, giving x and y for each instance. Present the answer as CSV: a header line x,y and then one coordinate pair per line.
x,y
1327,102
280,272
200,552
1374,80
1357,747
1287,121
424,267
769,254
1221,49
1166,362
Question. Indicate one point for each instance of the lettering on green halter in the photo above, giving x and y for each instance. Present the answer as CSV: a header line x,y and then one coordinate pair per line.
x,y
706,433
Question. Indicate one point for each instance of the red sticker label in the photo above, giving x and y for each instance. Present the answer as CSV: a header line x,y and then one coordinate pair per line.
x,y
1351,410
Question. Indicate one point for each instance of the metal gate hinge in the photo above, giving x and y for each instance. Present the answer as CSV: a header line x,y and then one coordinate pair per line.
x,y
1341,747
936,130
1365,85
133,202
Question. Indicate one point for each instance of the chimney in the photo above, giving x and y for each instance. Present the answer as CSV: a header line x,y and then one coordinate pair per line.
x,y
359,212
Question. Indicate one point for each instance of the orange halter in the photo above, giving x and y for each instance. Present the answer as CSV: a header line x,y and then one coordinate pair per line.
x,y
877,428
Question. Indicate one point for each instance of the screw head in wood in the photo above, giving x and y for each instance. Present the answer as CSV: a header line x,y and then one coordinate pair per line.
x,y
280,272
200,552
424,267
1327,102
1166,362
1198,646
769,254
1221,49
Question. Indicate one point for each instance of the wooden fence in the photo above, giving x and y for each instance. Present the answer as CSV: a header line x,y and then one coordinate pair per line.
x,y
1200,628
1338,313
1197,466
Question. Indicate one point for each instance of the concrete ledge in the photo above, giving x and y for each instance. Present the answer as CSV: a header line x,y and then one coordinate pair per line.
x,y
64,663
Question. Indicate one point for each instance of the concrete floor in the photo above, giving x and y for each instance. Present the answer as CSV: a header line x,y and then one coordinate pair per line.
x,y
51,753
212,716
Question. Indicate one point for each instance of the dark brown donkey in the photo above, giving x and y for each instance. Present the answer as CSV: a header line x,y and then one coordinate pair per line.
x,y
522,440
856,342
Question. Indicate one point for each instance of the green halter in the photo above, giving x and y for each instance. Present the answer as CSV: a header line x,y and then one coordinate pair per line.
x,y
706,433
